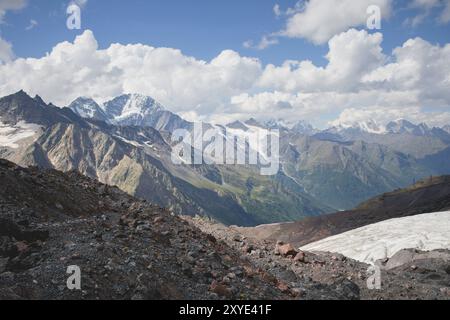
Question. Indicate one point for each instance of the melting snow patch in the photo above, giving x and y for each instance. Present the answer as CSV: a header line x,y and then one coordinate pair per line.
x,y
10,135
382,240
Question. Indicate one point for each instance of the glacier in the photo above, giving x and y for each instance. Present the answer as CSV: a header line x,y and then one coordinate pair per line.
x,y
382,240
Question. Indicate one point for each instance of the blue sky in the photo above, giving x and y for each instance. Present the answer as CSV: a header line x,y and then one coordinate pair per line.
x,y
200,28
341,71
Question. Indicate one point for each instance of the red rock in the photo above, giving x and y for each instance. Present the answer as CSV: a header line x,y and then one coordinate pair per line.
x,y
300,257
249,271
283,287
287,250
445,291
21,246
157,219
220,289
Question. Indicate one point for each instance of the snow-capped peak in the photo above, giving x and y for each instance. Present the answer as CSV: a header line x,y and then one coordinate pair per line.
x,y
253,122
88,108
369,126
237,125
131,105
304,127
404,126
130,110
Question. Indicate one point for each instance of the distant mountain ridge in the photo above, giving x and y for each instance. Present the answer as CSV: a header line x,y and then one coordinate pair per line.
x,y
320,172
137,158
401,126
141,110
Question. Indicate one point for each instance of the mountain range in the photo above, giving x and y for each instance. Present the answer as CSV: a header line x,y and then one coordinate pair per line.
x,y
127,142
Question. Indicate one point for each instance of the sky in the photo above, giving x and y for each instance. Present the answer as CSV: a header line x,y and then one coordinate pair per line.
x,y
220,61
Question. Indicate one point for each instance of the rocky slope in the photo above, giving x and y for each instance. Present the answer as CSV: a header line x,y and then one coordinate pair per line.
x,y
129,249
408,275
125,247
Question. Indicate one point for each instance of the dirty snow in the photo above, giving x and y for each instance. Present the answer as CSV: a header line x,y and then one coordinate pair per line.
x,y
382,240
10,135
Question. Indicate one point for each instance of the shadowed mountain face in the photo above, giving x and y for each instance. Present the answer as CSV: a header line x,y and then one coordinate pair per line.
x,y
343,174
430,195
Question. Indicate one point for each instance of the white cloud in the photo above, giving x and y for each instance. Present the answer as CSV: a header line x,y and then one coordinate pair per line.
x,y
277,10
428,4
6,52
385,115
6,5
351,55
418,65
182,83
412,83
80,3
265,42
445,15
32,25
319,20
427,7
358,81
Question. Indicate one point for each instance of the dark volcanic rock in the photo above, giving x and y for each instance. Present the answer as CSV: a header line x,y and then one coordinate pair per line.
x,y
125,248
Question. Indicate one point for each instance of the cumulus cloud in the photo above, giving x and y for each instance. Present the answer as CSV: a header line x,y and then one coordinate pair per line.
x,y
412,83
419,66
351,55
358,81
319,20
182,83
6,52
